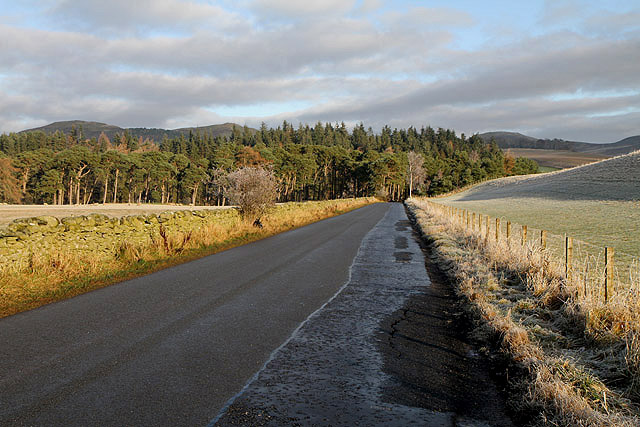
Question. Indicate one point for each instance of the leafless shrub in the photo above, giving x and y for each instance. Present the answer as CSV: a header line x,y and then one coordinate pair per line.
x,y
253,190
416,173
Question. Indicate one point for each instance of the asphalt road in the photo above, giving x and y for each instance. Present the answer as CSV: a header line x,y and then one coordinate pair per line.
x,y
173,347
389,350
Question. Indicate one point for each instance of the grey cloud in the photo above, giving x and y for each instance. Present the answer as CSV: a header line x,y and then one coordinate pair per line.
x,y
420,18
347,65
284,9
609,23
339,47
369,6
115,17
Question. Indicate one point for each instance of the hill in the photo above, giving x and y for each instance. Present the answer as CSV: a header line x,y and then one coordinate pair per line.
x,y
597,203
89,129
517,140
94,129
610,179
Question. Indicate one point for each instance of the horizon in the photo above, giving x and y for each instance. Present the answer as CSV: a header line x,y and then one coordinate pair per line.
x,y
376,131
535,69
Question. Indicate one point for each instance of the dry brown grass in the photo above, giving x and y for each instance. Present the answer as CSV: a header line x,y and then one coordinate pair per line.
x,y
581,354
42,275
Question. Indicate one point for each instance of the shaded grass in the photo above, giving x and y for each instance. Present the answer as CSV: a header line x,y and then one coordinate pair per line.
x,y
40,277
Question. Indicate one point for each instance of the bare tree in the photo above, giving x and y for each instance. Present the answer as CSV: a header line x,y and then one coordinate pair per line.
x,y
415,170
253,190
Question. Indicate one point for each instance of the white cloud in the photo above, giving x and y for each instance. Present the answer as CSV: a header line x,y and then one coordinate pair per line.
x,y
369,6
160,63
424,18
302,9
118,17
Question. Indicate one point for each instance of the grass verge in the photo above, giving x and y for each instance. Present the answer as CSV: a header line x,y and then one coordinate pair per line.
x,y
576,367
44,275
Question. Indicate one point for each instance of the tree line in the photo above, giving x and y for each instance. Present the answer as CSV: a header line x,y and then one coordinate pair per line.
x,y
324,161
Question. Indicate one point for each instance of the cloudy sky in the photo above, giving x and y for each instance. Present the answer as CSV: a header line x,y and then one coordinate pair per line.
x,y
566,69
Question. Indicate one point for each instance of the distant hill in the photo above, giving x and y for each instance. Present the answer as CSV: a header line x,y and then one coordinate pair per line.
x,y
94,129
89,129
609,179
517,140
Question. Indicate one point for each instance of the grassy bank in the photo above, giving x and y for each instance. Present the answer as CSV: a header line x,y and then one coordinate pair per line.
x,y
577,358
43,268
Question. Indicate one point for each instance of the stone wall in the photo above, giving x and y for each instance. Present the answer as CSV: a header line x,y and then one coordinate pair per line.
x,y
97,232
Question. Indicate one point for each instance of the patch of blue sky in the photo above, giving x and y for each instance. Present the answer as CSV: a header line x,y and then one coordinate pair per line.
x,y
580,94
615,113
25,14
264,109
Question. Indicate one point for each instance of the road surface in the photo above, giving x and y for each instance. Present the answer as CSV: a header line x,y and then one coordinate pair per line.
x,y
336,323
389,350
172,347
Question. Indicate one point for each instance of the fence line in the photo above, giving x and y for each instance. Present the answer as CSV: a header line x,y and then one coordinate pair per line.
x,y
601,271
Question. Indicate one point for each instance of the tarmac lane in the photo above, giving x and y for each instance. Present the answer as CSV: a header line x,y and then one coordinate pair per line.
x,y
388,350
173,347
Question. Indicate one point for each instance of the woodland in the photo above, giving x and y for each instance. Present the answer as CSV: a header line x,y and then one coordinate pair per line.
x,y
325,161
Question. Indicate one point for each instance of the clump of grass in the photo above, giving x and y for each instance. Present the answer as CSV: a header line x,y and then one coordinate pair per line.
x,y
581,365
40,275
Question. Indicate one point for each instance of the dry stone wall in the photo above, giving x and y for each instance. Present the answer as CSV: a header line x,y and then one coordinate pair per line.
x,y
97,232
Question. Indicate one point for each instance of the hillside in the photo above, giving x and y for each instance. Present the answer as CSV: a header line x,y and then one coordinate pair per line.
x,y
89,129
94,129
610,179
517,140
597,203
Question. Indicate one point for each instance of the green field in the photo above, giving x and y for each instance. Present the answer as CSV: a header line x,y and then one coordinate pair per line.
x,y
601,223
598,204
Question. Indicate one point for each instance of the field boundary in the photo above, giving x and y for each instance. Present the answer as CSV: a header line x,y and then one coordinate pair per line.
x,y
567,363
601,271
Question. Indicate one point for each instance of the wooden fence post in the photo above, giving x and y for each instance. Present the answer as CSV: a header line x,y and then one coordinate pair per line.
x,y
497,229
486,234
543,239
568,256
508,230
524,235
479,223
608,278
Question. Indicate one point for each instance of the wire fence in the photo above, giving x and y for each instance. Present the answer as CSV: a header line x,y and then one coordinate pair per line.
x,y
600,272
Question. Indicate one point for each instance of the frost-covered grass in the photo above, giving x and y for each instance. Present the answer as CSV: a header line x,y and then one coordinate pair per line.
x,y
598,203
579,357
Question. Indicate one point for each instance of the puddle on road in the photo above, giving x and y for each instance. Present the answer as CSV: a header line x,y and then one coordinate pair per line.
x,y
401,242
402,225
403,256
